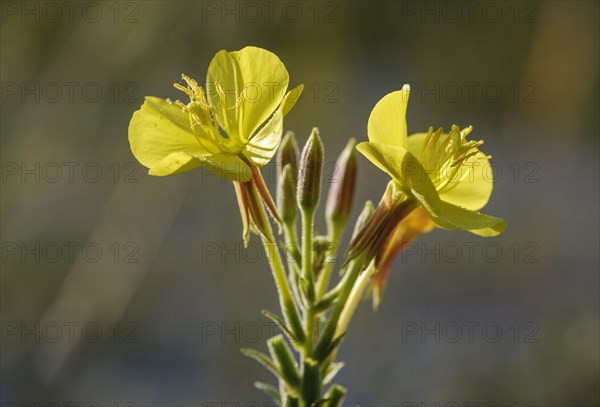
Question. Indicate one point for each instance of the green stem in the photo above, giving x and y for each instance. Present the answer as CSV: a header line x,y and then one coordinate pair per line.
x,y
331,329
291,240
307,250
286,300
354,298
308,278
323,280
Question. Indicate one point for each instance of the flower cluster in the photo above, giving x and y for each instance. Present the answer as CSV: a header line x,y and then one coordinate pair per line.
x,y
234,126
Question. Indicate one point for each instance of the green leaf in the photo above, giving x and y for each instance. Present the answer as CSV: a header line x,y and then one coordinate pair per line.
x,y
269,389
334,396
279,322
263,360
327,345
291,402
326,301
332,371
284,361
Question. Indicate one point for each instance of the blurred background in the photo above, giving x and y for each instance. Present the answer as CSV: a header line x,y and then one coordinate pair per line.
x,y
122,289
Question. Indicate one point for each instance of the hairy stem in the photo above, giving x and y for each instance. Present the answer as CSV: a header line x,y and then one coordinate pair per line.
x,y
308,278
323,280
355,295
288,306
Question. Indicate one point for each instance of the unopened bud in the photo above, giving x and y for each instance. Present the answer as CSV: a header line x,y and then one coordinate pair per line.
x,y
369,237
255,209
286,182
363,218
341,193
286,195
309,173
288,153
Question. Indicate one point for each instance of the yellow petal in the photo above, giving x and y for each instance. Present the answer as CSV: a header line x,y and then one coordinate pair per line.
x,y
256,79
159,129
474,183
223,75
444,214
490,232
456,218
291,98
227,166
174,163
387,123
263,146
474,187
387,158
265,82
414,142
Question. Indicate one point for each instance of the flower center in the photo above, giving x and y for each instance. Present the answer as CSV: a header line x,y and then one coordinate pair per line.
x,y
208,122
444,156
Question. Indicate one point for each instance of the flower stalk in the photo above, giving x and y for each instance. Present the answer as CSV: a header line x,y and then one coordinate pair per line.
x,y
433,184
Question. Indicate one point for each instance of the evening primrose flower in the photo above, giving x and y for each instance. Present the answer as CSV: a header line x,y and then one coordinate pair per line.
x,y
438,179
443,173
233,124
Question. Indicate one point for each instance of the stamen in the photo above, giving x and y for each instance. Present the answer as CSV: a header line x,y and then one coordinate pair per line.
x,y
430,158
223,106
429,134
431,154
184,90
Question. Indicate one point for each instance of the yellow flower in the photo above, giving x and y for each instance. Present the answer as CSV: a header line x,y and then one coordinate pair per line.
x,y
443,173
438,179
232,125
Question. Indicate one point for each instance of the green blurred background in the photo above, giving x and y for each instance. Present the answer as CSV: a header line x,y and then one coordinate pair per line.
x,y
122,288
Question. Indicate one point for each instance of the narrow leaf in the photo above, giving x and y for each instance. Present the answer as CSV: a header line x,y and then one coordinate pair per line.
x,y
279,322
333,370
262,359
326,301
269,389
285,362
334,396
324,349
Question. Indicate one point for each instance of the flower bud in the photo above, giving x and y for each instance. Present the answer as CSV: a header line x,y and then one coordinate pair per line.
x,y
258,221
309,173
286,195
265,195
288,154
392,208
286,180
242,198
363,218
341,193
